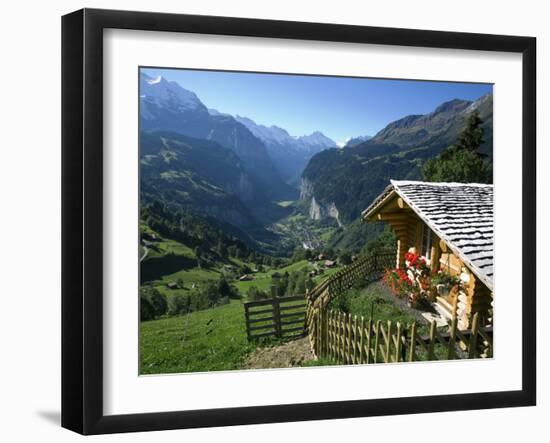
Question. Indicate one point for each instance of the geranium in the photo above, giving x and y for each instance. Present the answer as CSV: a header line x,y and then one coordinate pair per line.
x,y
413,281
398,281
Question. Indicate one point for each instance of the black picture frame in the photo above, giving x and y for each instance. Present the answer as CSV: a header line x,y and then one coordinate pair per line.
x,y
82,218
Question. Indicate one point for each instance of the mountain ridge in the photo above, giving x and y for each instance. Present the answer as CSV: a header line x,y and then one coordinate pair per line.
x,y
345,180
289,154
167,106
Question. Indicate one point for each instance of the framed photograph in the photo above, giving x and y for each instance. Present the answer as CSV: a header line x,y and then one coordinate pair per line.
x,y
268,221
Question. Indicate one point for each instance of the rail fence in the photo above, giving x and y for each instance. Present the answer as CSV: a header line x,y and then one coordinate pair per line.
x,y
279,317
351,339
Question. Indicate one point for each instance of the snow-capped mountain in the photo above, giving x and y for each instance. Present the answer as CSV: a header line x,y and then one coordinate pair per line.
x,y
166,106
217,113
274,135
268,151
290,154
162,92
316,141
270,135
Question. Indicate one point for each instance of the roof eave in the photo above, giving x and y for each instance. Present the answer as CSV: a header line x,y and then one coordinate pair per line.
x,y
386,195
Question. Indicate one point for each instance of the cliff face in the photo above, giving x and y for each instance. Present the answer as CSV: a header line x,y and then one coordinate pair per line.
x,y
306,189
318,210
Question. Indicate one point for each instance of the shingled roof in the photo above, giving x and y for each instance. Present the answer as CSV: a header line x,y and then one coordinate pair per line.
x,y
461,214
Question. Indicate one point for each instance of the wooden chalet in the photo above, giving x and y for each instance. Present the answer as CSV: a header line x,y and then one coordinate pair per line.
x,y
451,225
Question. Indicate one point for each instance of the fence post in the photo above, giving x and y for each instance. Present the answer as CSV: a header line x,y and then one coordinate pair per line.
x,y
369,333
413,342
387,357
432,340
376,341
322,318
247,321
361,339
276,312
330,323
340,340
398,343
452,339
473,337
355,341
349,340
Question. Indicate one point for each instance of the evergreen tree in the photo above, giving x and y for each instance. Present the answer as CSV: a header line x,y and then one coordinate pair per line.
x,y
345,258
146,309
156,300
178,304
462,161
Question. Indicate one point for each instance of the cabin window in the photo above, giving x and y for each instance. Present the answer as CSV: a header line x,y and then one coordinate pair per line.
x,y
427,238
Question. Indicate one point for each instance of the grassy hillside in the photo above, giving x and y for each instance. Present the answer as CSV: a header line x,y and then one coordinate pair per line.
x,y
210,340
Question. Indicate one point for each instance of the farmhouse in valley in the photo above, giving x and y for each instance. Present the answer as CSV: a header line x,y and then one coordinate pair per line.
x,y
451,225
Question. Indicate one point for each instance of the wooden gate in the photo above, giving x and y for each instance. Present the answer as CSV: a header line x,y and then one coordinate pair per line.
x,y
279,317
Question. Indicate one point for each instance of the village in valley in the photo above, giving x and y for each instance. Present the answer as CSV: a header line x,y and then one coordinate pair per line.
x,y
264,250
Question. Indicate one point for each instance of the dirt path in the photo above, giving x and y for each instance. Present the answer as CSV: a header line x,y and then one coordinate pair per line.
x,y
287,355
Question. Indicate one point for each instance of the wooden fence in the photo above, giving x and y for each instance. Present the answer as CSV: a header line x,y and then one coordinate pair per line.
x,y
364,269
279,317
349,339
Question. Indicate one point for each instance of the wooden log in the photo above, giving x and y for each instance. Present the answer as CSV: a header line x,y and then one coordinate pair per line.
x,y
402,204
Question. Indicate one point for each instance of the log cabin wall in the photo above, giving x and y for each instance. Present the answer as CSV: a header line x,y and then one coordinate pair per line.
x,y
460,213
473,296
482,302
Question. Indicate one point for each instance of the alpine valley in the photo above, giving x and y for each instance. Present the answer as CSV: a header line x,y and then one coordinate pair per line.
x,y
210,180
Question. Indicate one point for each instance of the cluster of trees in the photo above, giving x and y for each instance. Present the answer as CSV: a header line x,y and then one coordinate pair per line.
x,y
153,304
386,241
209,240
203,236
328,251
462,162
294,283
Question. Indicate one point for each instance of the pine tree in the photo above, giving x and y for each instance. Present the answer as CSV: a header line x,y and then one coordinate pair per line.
x,y
462,161
472,136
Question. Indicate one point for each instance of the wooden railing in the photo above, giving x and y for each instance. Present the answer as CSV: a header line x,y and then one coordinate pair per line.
x,y
364,269
350,339
278,317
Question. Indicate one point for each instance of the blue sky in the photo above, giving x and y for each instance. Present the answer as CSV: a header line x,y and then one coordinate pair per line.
x,y
340,107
